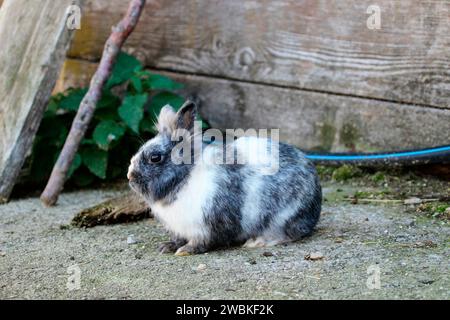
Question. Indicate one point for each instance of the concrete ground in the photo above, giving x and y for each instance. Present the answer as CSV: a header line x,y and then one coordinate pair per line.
x,y
356,247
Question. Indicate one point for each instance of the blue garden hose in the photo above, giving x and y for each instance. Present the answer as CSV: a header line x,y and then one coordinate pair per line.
x,y
439,154
432,155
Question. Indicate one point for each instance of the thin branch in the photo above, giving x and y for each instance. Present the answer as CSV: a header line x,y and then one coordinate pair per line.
x,y
87,107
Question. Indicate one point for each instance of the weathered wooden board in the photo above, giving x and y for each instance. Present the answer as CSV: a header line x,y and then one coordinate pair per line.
x,y
310,120
34,40
318,120
125,208
75,74
317,45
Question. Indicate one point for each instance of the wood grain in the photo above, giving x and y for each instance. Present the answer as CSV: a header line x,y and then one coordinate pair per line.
x,y
34,41
310,120
316,45
125,208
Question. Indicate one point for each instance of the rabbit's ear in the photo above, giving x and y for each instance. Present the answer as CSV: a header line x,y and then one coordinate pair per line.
x,y
167,120
186,116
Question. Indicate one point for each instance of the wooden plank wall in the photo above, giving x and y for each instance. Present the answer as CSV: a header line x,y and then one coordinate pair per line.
x,y
310,67
34,41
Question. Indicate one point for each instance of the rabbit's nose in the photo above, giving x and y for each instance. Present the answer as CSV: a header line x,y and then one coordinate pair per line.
x,y
130,173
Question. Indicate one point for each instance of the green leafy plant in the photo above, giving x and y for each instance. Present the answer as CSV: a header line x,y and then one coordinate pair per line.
x,y
124,118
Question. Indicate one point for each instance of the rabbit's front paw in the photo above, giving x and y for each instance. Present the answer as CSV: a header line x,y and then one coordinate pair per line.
x,y
168,247
172,245
185,250
189,249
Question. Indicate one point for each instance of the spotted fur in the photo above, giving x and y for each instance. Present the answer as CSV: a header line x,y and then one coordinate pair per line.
x,y
206,205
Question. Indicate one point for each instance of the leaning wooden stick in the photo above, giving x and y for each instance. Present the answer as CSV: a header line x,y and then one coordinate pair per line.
x,y
87,107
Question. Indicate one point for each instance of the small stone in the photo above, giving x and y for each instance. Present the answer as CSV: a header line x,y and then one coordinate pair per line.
x,y
131,239
412,223
413,200
426,281
2,254
313,256
252,261
138,255
267,254
201,267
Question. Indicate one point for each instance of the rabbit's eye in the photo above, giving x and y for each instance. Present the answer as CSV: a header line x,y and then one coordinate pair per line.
x,y
156,158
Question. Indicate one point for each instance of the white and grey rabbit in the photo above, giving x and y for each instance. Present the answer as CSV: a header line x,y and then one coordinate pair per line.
x,y
206,205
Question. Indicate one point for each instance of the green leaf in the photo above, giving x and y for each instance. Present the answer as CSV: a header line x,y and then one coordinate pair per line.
x,y
108,100
73,99
124,68
204,124
107,114
88,142
95,160
137,84
107,132
53,105
132,110
75,165
160,82
83,178
53,131
51,109
43,158
143,73
116,172
147,125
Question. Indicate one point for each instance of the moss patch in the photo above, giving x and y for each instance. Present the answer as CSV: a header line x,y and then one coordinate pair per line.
x,y
349,135
387,187
345,173
439,209
327,134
